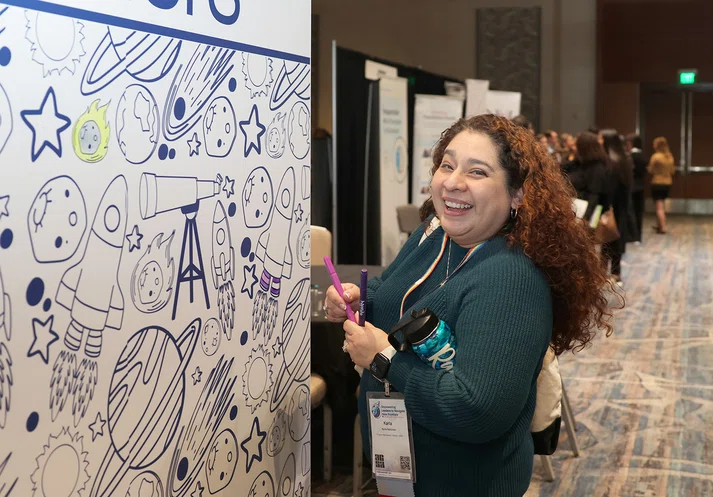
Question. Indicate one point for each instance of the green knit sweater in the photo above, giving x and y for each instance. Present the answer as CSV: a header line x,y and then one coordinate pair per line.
x,y
471,427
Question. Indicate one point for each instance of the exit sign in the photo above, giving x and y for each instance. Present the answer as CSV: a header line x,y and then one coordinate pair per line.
x,y
687,76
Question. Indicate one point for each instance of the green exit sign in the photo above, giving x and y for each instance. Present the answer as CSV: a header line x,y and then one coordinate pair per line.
x,y
687,77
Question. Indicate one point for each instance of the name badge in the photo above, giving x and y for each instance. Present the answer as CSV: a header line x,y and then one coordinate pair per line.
x,y
391,437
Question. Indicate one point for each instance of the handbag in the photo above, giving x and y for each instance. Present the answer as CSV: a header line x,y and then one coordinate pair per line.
x,y
545,426
607,230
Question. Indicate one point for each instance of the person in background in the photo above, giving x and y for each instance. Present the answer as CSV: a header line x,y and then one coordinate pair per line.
x,y
568,148
503,261
621,181
542,140
553,144
589,174
662,168
638,157
524,122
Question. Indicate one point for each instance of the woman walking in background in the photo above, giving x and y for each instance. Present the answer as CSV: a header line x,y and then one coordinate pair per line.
x,y
662,169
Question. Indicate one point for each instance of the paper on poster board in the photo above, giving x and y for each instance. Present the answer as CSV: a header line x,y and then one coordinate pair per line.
x,y
376,70
504,103
476,97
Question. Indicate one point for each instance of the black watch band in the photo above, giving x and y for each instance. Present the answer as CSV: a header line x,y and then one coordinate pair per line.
x,y
380,366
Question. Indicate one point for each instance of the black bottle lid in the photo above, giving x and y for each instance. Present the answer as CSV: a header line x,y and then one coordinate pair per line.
x,y
422,325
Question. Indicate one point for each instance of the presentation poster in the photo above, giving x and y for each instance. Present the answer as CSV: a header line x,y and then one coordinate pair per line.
x,y
476,102
504,103
154,248
393,141
433,114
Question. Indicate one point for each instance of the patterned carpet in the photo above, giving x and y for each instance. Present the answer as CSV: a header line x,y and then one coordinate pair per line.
x,y
642,398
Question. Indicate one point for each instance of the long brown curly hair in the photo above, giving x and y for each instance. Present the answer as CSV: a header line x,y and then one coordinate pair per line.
x,y
546,229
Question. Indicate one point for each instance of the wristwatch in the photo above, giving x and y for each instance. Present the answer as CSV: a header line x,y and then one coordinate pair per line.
x,y
380,366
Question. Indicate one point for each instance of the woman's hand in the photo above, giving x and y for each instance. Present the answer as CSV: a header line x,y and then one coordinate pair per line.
x,y
335,308
363,343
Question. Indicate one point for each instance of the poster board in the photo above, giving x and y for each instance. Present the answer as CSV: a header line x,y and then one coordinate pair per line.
x,y
504,103
154,247
476,102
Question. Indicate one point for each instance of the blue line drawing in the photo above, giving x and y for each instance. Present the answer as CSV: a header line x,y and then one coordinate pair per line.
x,y
300,490
277,347
57,44
222,265
153,276
275,252
6,487
2,11
91,133
90,291
299,212
276,136
46,124
304,246
300,413
257,198
252,130
306,182
63,464
306,458
299,130
293,79
6,379
57,220
147,484
6,118
137,124
97,427
257,70
222,461
44,337
198,492
286,483
146,399
194,145
252,446
219,128
5,312
145,57
4,201
277,433
263,486
194,440
257,378
159,194
192,88
229,187
249,282
197,375
134,238
296,341
210,338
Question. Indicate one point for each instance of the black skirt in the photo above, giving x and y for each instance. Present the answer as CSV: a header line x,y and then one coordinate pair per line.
x,y
660,192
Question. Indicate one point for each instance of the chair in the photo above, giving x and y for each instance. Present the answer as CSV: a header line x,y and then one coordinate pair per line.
x,y
321,244
318,392
571,425
408,217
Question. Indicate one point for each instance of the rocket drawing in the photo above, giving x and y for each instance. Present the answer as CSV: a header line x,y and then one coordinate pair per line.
x,y
223,261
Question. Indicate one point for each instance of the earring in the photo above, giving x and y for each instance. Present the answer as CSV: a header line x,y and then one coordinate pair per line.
x,y
513,213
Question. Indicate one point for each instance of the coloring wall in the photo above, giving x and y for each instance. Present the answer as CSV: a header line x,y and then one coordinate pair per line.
x,y
154,248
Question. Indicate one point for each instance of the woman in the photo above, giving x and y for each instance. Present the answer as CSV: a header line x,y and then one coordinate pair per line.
x,y
662,169
508,267
588,173
622,178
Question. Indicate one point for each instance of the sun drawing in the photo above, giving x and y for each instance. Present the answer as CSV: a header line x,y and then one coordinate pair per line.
x,y
257,378
257,70
57,43
62,467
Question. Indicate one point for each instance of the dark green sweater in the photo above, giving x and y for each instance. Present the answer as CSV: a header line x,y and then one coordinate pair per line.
x,y
471,427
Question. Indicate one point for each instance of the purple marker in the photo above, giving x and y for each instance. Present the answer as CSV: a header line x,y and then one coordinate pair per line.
x,y
362,297
338,286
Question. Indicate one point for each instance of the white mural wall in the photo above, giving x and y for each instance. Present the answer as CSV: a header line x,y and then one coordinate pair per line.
x,y
154,248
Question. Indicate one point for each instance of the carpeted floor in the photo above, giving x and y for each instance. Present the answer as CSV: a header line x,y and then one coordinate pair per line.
x,y
642,398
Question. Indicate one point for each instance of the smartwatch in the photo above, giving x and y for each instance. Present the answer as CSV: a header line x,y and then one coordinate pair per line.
x,y
380,366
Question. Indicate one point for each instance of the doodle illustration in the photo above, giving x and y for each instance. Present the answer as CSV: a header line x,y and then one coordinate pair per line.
x,y
56,43
252,130
61,467
296,341
210,339
5,383
257,378
146,399
192,88
276,136
219,128
249,282
134,238
194,145
304,244
46,124
263,486
159,194
229,187
44,337
277,434
300,413
145,57
90,137
293,79
6,486
194,440
286,483
5,312
137,124
257,198
222,461
97,427
306,458
4,201
299,130
90,291
153,275
252,446
222,265
197,376
57,220
298,213
147,484
257,70
198,492
306,182
5,118
275,252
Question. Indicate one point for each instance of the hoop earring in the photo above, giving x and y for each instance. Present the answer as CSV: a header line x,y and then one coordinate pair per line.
x,y
513,213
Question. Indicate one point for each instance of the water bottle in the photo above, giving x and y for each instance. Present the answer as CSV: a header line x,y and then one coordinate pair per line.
x,y
430,338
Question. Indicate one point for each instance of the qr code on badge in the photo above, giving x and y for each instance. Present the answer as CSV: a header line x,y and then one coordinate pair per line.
x,y
380,461
405,463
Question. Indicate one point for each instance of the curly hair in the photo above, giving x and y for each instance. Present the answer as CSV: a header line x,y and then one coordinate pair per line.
x,y
546,229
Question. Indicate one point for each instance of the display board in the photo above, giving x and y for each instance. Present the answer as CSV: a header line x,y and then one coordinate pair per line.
x,y
154,248
476,101
504,103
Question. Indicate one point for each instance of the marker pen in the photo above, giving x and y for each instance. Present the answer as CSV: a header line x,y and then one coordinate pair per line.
x,y
338,286
362,297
